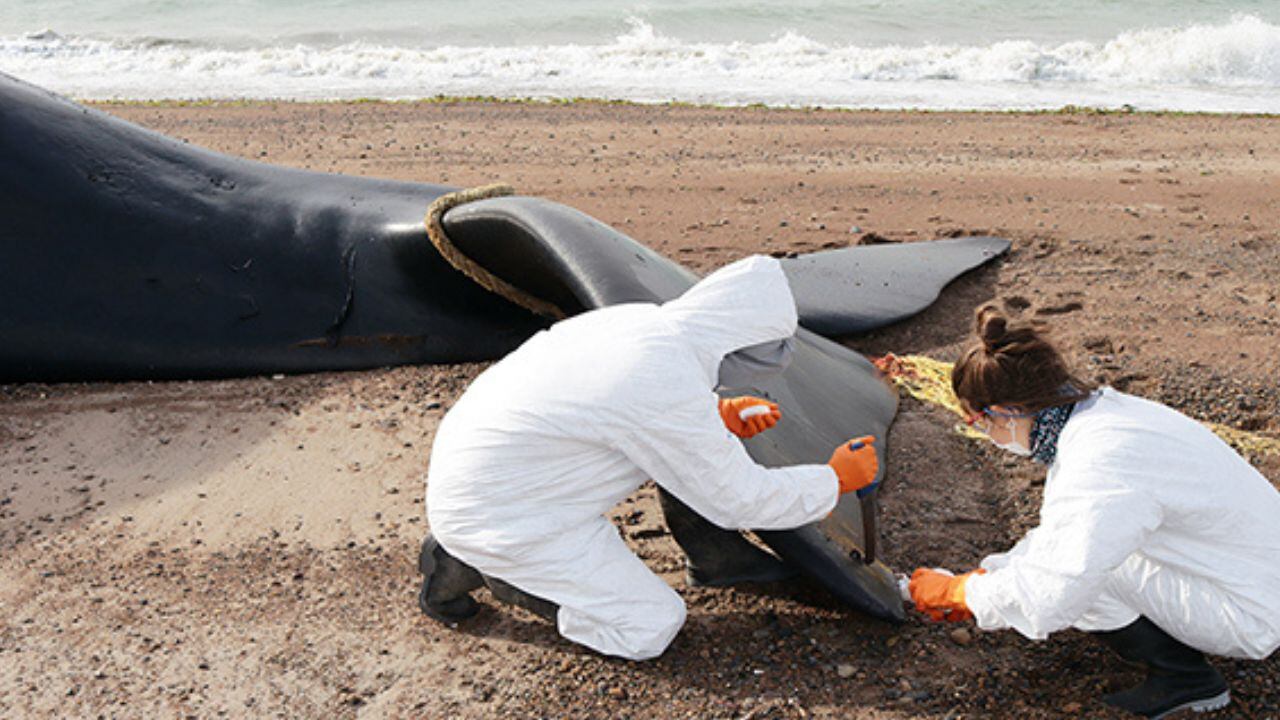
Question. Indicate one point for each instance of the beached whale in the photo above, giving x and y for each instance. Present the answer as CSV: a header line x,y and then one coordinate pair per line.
x,y
130,255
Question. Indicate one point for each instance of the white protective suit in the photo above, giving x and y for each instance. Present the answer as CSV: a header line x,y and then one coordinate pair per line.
x,y
1146,512
546,441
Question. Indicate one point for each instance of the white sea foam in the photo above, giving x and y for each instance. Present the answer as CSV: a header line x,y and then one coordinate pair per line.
x,y
1233,66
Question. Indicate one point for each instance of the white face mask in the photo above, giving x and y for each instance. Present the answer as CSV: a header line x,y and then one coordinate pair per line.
x,y
1014,445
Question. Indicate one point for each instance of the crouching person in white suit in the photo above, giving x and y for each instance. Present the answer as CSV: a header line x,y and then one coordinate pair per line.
x,y
541,445
1154,535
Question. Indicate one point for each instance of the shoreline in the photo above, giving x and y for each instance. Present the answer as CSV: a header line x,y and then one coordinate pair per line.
x,y
1068,110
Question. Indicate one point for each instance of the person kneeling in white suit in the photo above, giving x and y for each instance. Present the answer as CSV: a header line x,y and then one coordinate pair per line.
x,y
1154,534
543,443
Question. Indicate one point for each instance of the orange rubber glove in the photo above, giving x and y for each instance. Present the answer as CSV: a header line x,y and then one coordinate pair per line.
x,y
760,415
940,595
855,463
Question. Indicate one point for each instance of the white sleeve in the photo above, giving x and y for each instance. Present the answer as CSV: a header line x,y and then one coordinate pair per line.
x,y
995,561
689,452
1090,523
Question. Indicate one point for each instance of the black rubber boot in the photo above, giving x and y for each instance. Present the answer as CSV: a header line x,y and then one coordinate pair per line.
x,y
508,593
447,583
1178,676
716,557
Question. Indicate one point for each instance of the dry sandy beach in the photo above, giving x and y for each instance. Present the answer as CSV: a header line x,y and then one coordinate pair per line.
x,y
245,548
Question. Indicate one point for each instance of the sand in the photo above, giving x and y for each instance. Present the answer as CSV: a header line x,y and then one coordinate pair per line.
x,y
245,548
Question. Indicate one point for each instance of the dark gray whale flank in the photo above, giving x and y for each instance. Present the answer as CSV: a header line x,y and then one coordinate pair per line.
x,y
129,255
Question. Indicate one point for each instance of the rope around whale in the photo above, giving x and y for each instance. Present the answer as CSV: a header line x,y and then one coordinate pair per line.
x,y
929,380
465,265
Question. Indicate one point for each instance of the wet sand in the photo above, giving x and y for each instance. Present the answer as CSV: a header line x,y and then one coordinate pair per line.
x,y
245,548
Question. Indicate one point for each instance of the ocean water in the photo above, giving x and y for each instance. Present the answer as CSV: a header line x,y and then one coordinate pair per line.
x,y
1193,55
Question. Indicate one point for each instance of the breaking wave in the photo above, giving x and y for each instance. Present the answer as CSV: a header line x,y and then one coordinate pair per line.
x,y
1229,67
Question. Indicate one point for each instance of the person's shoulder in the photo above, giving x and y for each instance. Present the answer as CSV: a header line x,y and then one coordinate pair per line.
x,y
1107,408
667,370
1116,429
1099,426
1111,408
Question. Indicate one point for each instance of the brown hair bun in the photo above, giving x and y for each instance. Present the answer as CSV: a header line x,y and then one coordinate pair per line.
x,y
1013,364
991,326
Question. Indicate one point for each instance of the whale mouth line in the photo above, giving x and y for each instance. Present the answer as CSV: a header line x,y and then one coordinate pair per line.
x,y
385,340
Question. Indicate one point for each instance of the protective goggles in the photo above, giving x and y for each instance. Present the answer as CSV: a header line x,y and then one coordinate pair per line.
x,y
981,420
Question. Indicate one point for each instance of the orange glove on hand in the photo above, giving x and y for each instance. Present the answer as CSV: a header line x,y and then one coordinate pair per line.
x,y
940,595
746,416
855,463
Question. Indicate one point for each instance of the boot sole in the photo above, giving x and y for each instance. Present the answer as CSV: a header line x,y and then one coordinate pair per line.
x,y
1217,702
450,619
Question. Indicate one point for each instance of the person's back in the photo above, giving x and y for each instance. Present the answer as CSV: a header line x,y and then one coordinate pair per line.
x,y
558,403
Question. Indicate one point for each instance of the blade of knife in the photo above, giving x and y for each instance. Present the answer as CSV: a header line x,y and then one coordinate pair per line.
x,y
869,530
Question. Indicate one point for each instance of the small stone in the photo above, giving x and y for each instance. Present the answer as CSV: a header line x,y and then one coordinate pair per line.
x,y
1072,708
961,636
845,670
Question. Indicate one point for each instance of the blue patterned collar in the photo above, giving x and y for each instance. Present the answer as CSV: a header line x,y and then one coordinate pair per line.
x,y
1045,430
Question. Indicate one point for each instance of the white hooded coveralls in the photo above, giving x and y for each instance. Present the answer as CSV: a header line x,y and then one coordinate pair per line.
x,y
546,441
1146,512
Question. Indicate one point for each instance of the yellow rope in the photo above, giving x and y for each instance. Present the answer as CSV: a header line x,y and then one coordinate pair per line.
x,y
1245,442
929,380
465,265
